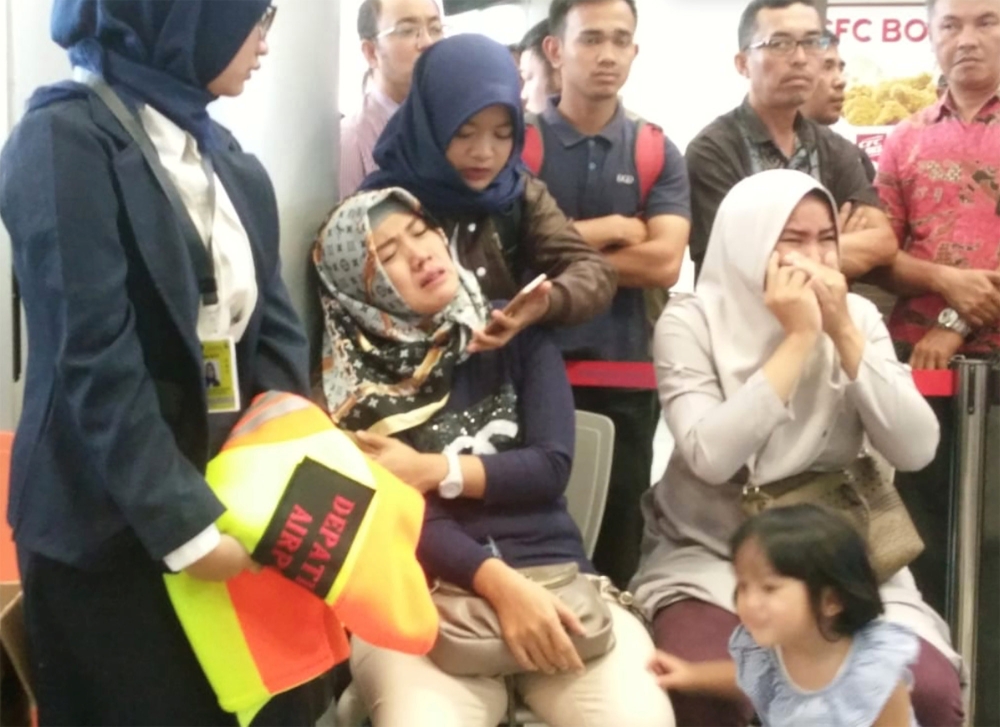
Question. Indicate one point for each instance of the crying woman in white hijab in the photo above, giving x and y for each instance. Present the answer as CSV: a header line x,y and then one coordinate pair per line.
x,y
770,369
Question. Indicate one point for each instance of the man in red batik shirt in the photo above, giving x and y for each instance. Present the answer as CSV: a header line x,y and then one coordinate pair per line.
x,y
939,177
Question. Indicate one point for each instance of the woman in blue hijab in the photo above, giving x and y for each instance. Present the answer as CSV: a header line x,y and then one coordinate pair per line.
x,y
144,240
455,144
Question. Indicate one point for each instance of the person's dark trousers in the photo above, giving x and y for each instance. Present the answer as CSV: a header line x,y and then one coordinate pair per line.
x,y
106,648
635,414
928,496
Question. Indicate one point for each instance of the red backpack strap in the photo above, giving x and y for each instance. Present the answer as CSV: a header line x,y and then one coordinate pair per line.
x,y
533,154
650,143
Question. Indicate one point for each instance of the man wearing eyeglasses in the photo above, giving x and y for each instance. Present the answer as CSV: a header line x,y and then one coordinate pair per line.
x,y
781,49
826,104
393,34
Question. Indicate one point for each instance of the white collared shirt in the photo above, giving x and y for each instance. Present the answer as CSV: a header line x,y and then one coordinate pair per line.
x,y
232,257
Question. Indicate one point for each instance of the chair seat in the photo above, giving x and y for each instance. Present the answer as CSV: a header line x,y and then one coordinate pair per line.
x,y
586,492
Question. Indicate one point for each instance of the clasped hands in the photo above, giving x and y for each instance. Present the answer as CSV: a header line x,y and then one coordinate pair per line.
x,y
807,296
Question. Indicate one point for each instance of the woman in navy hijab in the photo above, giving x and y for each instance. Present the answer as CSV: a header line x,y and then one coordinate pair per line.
x,y
455,144
124,295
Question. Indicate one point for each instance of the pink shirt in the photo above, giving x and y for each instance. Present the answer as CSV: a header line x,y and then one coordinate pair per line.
x,y
939,178
358,135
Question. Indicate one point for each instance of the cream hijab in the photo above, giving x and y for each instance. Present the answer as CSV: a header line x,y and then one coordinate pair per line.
x,y
744,333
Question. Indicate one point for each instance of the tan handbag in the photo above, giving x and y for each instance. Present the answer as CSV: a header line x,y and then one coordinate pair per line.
x,y
862,494
470,642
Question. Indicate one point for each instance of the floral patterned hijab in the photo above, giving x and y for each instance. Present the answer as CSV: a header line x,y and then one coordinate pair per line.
x,y
386,369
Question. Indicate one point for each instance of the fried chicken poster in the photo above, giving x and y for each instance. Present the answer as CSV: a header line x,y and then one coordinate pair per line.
x,y
890,70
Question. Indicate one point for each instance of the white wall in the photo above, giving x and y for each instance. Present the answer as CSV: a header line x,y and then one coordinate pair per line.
x,y
684,75
30,59
503,23
288,117
6,310
351,64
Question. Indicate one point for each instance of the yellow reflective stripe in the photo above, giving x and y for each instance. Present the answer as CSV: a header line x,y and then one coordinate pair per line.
x,y
213,629
269,407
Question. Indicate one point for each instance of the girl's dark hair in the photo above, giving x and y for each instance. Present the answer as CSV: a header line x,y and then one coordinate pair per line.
x,y
823,550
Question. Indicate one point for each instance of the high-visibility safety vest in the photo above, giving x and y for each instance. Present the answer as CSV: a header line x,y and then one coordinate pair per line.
x,y
338,536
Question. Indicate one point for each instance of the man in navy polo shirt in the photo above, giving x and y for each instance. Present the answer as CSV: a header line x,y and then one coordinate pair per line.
x,y
589,167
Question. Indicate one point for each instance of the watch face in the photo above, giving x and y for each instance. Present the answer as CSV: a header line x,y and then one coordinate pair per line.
x,y
450,489
948,317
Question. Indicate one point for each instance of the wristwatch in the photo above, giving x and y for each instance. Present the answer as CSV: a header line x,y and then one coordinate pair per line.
x,y
452,485
950,319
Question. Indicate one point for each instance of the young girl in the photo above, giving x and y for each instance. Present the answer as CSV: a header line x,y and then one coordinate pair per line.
x,y
455,144
810,648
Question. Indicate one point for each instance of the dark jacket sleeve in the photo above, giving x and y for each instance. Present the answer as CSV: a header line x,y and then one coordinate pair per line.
x,y
282,350
866,162
712,175
583,284
446,550
282,361
534,473
60,204
847,178
537,471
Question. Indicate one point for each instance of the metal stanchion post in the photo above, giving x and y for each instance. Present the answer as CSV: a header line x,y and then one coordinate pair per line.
x,y
987,698
971,410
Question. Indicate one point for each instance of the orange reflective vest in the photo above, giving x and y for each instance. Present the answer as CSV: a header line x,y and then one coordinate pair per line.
x,y
338,534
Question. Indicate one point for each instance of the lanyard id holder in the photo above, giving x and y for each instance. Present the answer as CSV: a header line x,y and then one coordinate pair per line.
x,y
219,369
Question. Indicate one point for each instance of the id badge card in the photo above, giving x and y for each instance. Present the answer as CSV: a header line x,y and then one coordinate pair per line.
x,y
222,382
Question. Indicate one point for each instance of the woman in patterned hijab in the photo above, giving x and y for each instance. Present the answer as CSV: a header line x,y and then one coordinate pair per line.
x,y
388,354
488,438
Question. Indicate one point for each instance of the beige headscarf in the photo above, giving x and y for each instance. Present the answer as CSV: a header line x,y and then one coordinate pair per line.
x,y
744,333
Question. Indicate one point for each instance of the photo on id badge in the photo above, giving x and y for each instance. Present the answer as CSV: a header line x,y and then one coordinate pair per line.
x,y
219,371
212,374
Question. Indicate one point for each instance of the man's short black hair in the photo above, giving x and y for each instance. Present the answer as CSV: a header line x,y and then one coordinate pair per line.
x,y
535,37
559,9
748,21
368,17
832,39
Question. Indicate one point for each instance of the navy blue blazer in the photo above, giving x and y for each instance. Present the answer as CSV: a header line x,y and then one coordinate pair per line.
x,y
114,435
